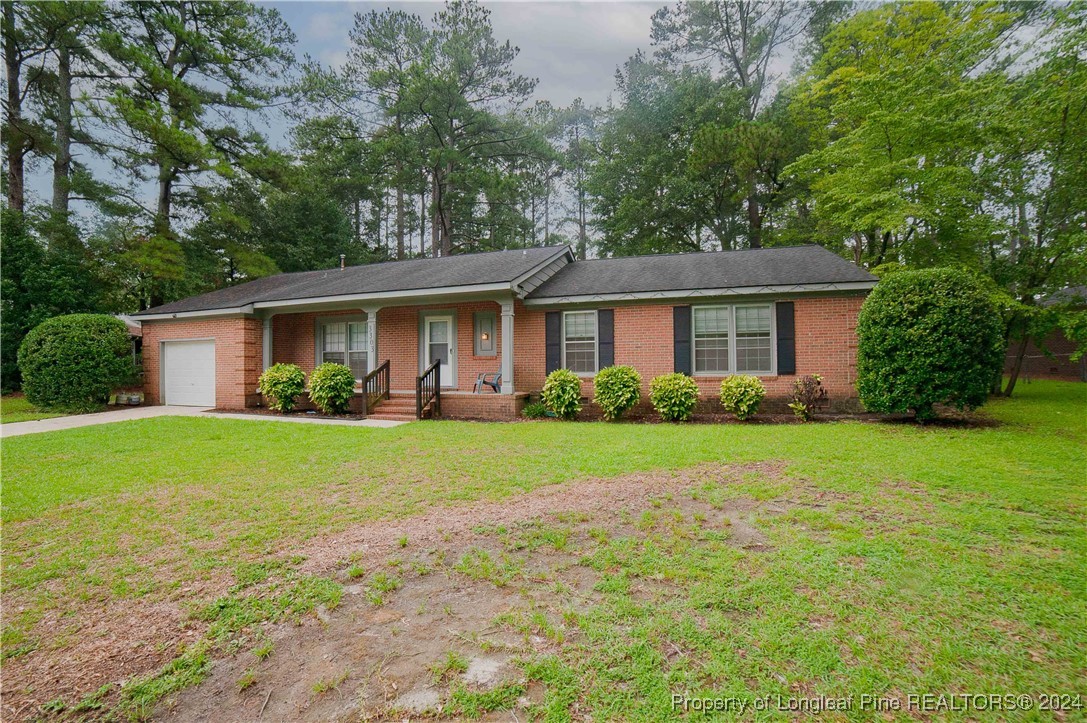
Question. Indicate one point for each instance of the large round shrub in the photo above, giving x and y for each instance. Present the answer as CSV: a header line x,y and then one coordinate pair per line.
x,y
674,396
562,393
927,337
616,390
74,362
742,394
331,387
281,383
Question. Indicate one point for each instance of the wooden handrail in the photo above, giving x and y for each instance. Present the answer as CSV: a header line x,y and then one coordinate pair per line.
x,y
375,387
428,387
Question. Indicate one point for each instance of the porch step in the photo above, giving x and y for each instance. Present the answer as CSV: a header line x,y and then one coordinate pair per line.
x,y
393,417
397,408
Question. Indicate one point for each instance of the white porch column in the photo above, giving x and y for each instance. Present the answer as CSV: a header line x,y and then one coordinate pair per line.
x,y
266,339
371,337
507,347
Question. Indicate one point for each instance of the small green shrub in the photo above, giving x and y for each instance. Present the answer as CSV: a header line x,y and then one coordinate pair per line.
x,y
281,383
534,410
616,390
331,387
74,362
674,396
808,395
742,395
928,337
562,393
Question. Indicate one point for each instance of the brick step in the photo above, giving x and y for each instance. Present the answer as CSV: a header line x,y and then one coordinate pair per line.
x,y
393,417
390,405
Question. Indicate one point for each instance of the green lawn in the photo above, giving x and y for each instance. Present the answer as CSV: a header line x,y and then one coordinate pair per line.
x,y
15,408
931,559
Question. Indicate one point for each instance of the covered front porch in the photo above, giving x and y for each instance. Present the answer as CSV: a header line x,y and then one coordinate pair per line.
x,y
391,347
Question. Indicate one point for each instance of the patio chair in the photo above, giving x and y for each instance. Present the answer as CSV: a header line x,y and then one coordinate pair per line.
x,y
488,379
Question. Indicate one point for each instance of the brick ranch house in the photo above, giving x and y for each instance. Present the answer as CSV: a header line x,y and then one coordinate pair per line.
x,y
775,313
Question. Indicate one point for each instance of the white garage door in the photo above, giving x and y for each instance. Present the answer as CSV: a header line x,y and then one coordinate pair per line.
x,y
188,373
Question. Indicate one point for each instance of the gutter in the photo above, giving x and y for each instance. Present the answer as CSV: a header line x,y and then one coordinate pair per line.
x,y
700,293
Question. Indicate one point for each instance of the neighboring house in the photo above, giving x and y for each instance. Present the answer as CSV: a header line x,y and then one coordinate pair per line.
x,y
1053,360
776,313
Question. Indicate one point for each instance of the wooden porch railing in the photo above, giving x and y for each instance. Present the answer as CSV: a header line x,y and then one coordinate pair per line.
x,y
428,388
375,387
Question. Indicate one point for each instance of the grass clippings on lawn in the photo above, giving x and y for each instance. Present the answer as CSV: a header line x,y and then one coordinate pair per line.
x,y
883,558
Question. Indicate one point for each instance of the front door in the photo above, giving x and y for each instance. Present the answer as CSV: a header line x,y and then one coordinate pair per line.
x,y
441,343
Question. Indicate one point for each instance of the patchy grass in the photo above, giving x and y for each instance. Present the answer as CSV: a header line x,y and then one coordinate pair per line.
x,y
921,559
15,408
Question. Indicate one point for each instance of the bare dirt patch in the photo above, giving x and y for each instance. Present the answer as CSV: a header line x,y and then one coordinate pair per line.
x,y
473,590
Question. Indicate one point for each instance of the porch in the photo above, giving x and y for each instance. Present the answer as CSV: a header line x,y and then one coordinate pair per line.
x,y
404,356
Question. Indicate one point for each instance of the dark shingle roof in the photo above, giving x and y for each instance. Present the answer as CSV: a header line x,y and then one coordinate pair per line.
x,y
417,274
783,266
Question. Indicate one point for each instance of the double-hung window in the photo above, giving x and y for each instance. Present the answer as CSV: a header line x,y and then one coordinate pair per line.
x,y
753,345
711,335
344,342
579,341
733,339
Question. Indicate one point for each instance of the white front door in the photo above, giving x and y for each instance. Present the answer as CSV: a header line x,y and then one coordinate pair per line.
x,y
441,343
188,373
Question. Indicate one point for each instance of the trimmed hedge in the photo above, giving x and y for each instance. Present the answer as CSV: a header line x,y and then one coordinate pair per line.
x,y
674,396
562,393
616,390
281,383
742,395
331,387
928,337
73,363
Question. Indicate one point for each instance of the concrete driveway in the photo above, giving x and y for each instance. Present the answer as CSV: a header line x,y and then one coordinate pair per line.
x,y
17,429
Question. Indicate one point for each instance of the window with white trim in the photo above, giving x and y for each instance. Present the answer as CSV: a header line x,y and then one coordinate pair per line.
x,y
733,339
753,343
344,342
711,332
579,337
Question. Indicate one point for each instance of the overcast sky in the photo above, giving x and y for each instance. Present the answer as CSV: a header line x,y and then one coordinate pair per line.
x,y
572,47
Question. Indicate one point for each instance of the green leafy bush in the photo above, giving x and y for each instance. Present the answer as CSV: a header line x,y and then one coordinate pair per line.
x,y
928,337
742,394
808,395
331,387
534,410
562,393
616,390
74,362
281,383
674,396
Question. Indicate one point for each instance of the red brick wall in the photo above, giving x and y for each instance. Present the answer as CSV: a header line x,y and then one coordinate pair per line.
x,y
1057,364
292,337
826,344
238,355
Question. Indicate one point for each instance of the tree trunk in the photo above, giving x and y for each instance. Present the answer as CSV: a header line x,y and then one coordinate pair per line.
x,y
754,221
15,142
1017,367
435,241
165,200
62,161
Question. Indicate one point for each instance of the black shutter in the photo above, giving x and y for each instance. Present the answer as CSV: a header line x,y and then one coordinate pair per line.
x,y
786,338
605,329
553,340
681,335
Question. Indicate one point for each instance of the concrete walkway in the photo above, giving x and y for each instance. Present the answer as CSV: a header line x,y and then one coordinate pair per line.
x,y
17,429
